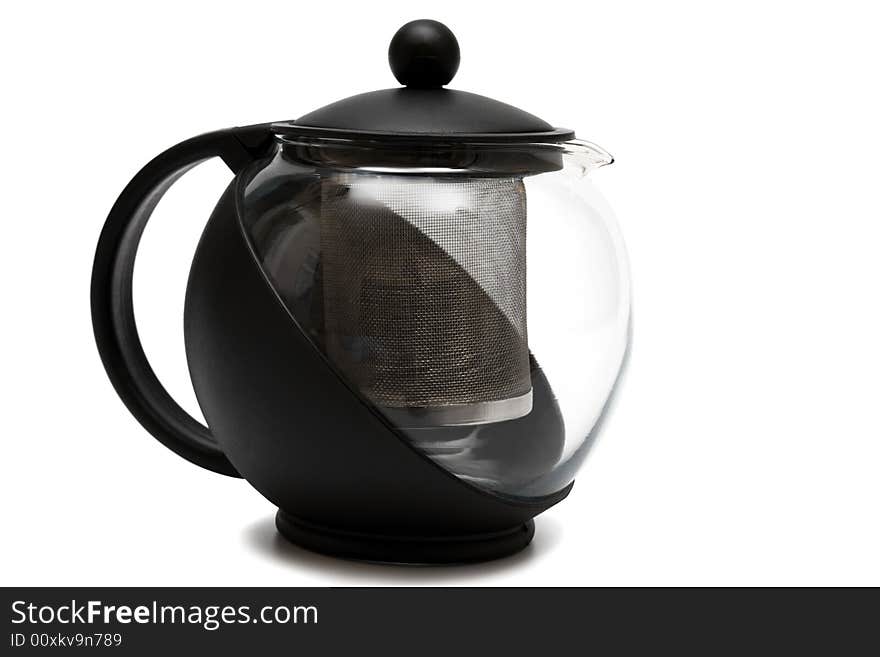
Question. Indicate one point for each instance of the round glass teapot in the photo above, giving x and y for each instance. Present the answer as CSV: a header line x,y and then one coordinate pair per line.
x,y
404,320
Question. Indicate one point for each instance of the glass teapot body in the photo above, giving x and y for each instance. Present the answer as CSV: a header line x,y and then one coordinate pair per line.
x,y
475,296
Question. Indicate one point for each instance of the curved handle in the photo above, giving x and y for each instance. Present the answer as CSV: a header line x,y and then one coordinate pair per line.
x,y
112,310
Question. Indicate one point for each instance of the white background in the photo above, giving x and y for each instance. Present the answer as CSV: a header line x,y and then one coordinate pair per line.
x,y
745,444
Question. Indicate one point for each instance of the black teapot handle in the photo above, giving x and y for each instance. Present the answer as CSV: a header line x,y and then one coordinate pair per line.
x,y
111,292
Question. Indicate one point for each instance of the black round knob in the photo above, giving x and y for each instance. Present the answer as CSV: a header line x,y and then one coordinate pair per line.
x,y
424,53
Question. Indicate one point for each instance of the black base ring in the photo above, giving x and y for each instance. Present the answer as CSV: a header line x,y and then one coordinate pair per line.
x,y
405,550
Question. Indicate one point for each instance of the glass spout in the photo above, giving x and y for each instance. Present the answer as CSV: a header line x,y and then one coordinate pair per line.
x,y
586,156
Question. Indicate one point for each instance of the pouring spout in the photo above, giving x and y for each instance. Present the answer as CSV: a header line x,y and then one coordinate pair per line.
x,y
587,155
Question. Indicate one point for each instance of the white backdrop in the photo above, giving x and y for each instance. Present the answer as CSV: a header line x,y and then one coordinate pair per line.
x,y
745,444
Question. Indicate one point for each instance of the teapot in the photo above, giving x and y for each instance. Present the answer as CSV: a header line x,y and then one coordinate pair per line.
x,y
404,320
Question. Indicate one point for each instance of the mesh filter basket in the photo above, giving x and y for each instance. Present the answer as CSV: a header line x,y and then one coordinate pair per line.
x,y
424,283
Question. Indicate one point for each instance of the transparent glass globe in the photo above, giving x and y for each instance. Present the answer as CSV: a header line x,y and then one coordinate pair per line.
x,y
475,295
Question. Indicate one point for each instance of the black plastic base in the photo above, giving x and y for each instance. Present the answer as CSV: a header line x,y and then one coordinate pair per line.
x,y
405,550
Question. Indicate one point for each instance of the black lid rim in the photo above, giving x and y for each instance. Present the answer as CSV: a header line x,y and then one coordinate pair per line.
x,y
554,136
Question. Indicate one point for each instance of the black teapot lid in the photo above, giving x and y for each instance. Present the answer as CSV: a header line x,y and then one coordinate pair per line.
x,y
424,56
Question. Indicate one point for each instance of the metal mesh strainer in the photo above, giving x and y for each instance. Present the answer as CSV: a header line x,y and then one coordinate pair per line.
x,y
424,284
